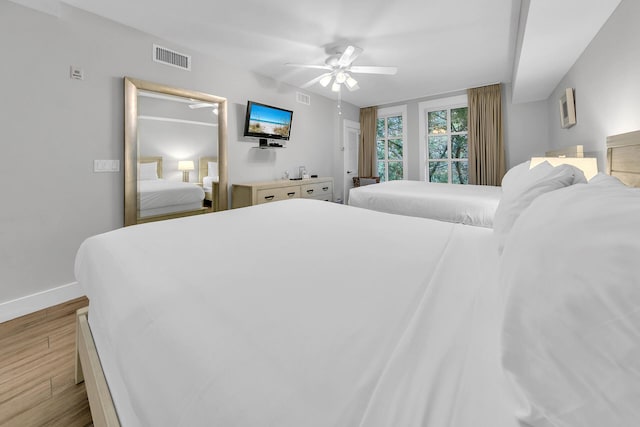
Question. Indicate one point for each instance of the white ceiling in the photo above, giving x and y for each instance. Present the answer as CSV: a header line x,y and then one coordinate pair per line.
x,y
438,46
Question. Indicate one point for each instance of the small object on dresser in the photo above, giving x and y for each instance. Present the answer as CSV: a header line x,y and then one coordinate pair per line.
x,y
314,176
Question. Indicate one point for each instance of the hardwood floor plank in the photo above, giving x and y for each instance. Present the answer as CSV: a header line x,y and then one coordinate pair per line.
x,y
41,392
37,359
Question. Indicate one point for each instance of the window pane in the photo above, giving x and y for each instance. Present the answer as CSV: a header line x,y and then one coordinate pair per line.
x,y
395,149
395,171
381,171
438,172
437,122
438,146
380,149
459,119
394,125
460,172
459,146
380,128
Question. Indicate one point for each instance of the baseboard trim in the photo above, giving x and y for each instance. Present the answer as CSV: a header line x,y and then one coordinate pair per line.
x,y
31,303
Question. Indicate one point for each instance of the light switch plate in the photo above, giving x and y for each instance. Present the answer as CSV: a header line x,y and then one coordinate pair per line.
x,y
106,165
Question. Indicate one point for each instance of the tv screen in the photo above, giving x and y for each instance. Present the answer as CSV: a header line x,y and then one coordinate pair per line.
x,y
265,121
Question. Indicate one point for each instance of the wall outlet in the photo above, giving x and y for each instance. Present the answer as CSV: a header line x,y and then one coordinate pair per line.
x,y
106,165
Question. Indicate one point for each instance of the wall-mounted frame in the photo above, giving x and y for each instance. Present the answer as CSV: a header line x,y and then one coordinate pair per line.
x,y
567,109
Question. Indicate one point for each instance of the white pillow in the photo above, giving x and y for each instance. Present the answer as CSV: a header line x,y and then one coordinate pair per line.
x,y
603,179
518,195
571,331
148,171
212,170
515,174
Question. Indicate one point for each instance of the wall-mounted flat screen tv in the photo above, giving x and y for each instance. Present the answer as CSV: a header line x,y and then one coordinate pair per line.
x,y
267,122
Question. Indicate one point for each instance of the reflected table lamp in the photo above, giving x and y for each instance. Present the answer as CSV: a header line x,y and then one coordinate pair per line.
x,y
185,166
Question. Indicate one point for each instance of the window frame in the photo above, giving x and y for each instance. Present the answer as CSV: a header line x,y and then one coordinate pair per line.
x,y
398,110
424,108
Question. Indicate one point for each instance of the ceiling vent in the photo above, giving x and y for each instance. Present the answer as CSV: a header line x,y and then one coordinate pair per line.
x,y
171,57
303,98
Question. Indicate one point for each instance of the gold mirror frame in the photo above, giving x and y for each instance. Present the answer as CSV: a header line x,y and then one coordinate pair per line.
x,y
131,88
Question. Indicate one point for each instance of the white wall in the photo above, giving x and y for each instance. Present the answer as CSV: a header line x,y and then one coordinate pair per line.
x,y
52,128
607,86
526,128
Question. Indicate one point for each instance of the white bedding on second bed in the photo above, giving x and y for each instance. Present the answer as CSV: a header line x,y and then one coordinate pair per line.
x,y
159,196
266,331
465,204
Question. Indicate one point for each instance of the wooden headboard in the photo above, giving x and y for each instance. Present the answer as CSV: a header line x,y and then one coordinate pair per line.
x,y
573,151
203,169
623,157
151,159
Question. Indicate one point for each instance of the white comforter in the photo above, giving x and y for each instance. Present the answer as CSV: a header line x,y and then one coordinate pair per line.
x,y
304,313
465,204
159,193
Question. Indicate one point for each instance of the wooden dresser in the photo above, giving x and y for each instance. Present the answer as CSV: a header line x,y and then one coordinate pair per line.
x,y
254,193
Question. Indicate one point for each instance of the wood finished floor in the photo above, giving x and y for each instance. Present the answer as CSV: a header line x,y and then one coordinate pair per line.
x,y
37,370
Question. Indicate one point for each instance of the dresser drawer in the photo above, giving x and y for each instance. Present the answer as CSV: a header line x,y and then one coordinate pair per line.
x,y
317,190
328,197
275,194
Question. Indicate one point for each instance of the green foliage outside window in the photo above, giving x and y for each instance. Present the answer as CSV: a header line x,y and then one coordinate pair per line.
x,y
447,145
390,148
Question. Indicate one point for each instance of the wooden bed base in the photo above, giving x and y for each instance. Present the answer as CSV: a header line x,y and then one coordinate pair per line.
x,y
89,370
623,162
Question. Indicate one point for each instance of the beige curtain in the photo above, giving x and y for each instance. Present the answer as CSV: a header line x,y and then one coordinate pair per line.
x,y
486,147
367,160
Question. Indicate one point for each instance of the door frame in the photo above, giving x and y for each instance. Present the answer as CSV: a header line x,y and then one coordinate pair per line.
x,y
348,126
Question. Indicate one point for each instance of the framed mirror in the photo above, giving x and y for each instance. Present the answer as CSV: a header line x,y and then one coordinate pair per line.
x,y
175,152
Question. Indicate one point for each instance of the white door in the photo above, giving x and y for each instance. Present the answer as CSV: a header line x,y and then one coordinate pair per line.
x,y
351,140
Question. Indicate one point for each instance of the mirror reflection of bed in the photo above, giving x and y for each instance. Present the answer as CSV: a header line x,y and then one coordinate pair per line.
x,y
160,198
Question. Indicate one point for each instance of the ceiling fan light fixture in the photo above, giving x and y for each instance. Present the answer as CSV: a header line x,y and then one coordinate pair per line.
x,y
324,82
351,83
335,87
341,77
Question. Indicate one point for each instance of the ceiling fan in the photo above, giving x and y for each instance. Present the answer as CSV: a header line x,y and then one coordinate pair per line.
x,y
340,69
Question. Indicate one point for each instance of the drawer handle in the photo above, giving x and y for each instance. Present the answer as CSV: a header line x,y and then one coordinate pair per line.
x,y
309,191
325,188
269,197
293,193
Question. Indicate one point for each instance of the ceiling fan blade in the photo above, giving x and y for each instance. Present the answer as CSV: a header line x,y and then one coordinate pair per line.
x,y
348,56
366,69
314,81
319,67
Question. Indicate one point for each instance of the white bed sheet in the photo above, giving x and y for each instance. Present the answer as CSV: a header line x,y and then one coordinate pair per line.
x,y
303,321
465,204
161,196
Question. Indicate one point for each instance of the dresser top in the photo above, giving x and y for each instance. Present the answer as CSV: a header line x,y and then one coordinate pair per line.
x,y
284,182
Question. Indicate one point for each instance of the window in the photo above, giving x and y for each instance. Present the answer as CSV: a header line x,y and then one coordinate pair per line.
x,y
390,143
445,135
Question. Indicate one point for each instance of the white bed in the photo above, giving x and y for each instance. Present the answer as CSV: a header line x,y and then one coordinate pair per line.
x,y
465,204
161,196
285,341
318,314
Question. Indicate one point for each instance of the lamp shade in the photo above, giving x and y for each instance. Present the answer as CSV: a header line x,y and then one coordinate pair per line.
x,y
185,165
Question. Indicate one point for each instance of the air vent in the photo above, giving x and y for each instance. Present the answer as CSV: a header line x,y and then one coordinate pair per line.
x,y
303,98
171,57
